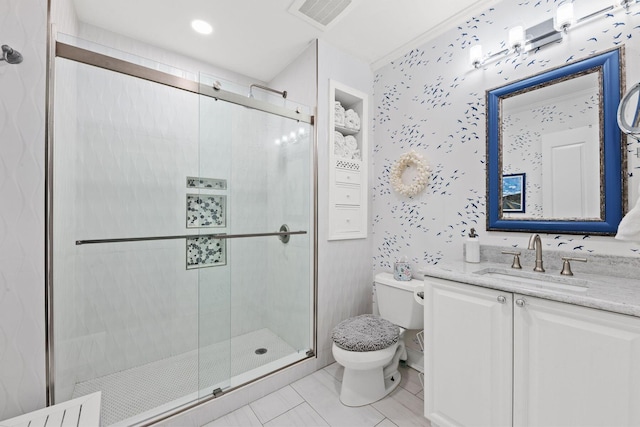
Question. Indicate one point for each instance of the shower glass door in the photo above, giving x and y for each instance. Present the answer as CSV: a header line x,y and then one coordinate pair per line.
x,y
169,281
126,306
257,166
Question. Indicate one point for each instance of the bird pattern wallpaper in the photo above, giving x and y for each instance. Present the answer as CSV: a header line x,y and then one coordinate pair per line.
x,y
432,101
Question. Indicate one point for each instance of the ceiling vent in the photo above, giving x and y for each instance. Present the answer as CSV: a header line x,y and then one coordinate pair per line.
x,y
321,13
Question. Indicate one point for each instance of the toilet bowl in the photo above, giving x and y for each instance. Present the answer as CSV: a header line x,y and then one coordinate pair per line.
x,y
370,347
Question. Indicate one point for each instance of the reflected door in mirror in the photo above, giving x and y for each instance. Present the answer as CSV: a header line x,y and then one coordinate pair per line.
x,y
570,173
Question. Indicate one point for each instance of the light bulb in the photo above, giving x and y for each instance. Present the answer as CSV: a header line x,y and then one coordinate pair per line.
x,y
564,17
516,38
475,55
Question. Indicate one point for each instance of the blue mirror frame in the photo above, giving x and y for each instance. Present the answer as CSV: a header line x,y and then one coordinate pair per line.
x,y
612,149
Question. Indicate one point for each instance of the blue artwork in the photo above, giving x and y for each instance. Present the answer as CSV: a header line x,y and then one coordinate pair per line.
x,y
513,192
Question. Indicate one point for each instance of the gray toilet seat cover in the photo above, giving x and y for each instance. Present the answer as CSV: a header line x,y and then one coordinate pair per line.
x,y
367,332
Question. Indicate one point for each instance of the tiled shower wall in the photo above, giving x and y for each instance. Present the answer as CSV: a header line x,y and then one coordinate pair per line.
x,y
432,100
23,25
124,174
121,172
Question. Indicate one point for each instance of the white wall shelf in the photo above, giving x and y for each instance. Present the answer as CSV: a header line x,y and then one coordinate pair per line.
x,y
348,173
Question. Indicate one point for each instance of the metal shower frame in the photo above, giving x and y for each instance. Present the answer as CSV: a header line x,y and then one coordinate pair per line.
x,y
62,50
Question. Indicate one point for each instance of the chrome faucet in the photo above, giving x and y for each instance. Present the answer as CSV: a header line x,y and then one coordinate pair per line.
x,y
536,243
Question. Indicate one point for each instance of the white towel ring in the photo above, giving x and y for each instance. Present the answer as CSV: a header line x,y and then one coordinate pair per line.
x,y
633,129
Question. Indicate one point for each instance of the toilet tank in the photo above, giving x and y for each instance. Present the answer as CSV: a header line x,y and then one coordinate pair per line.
x,y
397,303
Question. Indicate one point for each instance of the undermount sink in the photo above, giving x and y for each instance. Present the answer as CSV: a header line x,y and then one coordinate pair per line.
x,y
539,280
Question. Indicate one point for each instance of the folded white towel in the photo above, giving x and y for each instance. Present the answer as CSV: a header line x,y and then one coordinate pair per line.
x,y
339,146
352,120
629,228
339,114
351,142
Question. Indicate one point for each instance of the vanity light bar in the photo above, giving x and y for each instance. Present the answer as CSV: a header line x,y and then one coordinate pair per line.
x,y
544,33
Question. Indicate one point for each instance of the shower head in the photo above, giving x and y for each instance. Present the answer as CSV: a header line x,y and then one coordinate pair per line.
x,y
10,55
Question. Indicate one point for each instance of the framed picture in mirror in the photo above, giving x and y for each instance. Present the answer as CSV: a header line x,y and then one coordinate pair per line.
x,y
513,192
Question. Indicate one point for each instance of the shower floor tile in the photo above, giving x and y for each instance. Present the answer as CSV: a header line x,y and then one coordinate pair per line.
x,y
135,391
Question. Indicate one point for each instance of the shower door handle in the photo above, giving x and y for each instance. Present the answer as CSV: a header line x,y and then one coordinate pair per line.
x,y
220,236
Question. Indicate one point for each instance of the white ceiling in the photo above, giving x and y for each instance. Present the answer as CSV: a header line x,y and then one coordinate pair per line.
x,y
258,38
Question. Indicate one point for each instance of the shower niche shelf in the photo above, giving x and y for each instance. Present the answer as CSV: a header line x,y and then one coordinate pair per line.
x,y
348,162
206,209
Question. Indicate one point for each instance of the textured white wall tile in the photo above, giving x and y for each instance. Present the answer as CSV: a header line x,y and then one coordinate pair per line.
x,y
22,324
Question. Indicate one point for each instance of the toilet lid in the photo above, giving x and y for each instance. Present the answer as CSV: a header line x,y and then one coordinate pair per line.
x,y
365,333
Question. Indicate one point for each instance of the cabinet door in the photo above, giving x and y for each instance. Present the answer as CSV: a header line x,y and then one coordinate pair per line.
x,y
468,354
574,366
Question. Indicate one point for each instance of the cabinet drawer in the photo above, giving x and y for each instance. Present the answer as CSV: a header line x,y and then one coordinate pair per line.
x,y
347,177
347,220
347,195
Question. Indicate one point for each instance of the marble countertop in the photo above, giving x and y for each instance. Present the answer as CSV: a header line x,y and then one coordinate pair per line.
x,y
615,294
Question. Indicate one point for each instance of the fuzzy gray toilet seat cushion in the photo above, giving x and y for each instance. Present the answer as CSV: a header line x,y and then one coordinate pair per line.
x,y
367,332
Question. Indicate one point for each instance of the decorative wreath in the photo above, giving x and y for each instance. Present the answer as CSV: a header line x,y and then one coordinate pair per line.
x,y
419,182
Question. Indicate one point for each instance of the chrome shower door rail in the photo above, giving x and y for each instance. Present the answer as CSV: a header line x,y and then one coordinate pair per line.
x,y
220,236
78,54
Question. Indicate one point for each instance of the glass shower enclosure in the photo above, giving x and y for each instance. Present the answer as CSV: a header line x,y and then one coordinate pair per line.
x,y
181,240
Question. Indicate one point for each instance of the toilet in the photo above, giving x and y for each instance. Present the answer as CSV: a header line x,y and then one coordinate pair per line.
x,y
370,347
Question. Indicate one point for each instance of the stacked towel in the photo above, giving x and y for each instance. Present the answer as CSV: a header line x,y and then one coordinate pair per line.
x,y
352,147
346,147
339,145
352,120
339,114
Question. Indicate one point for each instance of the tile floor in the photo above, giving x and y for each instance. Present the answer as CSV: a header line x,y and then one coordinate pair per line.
x,y
129,393
314,401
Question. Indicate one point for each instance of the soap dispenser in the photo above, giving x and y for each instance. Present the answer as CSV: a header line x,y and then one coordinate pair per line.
x,y
472,247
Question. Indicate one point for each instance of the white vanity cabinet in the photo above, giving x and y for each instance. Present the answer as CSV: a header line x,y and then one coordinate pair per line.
x,y
574,366
494,358
468,354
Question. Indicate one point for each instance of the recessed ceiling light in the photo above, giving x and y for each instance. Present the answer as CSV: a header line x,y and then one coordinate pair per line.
x,y
201,26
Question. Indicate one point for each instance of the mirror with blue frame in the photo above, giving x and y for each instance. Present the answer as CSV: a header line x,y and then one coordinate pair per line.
x,y
559,130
